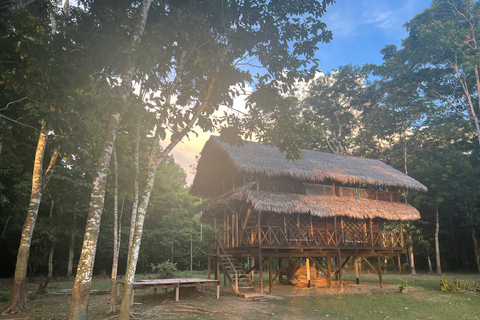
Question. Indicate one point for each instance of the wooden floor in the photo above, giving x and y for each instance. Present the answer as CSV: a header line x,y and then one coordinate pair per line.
x,y
176,283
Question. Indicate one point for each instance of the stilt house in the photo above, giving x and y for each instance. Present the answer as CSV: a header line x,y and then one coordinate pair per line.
x,y
323,209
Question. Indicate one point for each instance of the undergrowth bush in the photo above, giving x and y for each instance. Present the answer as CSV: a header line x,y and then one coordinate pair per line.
x,y
459,286
4,296
164,268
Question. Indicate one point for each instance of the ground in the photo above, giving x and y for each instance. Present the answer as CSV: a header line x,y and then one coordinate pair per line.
x,y
369,300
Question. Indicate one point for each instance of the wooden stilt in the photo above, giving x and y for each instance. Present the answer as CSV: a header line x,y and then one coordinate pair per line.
x,y
270,274
340,270
337,264
379,261
356,271
260,267
252,273
208,268
399,263
260,259
307,265
329,271
280,266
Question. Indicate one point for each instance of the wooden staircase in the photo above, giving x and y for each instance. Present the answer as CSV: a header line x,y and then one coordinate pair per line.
x,y
239,279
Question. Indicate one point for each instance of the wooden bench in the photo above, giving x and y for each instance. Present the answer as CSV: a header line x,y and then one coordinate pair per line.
x,y
171,283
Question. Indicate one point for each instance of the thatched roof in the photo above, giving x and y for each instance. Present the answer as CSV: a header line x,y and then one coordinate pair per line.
x,y
287,203
218,158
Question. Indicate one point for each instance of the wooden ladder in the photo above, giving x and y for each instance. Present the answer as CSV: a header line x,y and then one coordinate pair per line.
x,y
238,278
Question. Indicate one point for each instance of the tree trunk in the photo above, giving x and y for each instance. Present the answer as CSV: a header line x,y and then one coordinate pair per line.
x,y
135,185
18,298
116,242
476,248
430,269
410,253
50,259
437,244
81,289
71,253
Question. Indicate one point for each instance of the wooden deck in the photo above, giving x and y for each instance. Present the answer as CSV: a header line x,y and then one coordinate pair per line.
x,y
171,283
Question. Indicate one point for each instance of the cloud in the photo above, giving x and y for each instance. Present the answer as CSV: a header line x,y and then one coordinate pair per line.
x,y
350,18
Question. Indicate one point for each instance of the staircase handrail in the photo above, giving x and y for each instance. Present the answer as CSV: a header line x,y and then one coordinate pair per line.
x,y
231,264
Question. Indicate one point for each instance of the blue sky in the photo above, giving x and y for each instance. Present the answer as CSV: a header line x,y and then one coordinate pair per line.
x,y
361,28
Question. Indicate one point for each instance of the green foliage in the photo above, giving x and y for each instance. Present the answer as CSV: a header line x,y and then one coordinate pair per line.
x,y
4,296
164,268
466,287
402,286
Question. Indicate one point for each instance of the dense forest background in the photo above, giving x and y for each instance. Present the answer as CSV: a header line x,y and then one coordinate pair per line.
x,y
417,112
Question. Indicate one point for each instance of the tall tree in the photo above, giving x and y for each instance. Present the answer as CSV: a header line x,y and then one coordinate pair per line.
x,y
18,298
81,290
439,58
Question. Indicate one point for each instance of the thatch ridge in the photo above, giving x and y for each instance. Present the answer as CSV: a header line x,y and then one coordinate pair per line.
x,y
314,166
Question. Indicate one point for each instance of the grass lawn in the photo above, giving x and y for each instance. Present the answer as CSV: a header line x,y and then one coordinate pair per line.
x,y
369,300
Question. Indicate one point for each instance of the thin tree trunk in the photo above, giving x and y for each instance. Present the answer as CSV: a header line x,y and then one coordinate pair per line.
x,y
135,185
430,269
116,244
18,297
437,244
50,259
71,253
154,162
52,248
476,248
410,253
81,289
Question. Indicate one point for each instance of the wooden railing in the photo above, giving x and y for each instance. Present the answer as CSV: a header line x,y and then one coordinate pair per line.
x,y
281,237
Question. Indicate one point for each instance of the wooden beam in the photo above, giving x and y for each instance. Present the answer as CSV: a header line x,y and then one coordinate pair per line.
x,y
249,211
319,266
372,267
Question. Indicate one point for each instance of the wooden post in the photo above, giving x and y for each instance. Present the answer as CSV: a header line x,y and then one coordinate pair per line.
x,y
307,265
177,293
379,261
401,236
217,264
399,263
252,272
270,274
329,271
340,270
280,266
208,268
260,259
356,271
335,230
371,233
336,266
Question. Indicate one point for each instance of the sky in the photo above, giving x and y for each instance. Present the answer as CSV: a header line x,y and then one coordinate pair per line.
x,y
361,28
